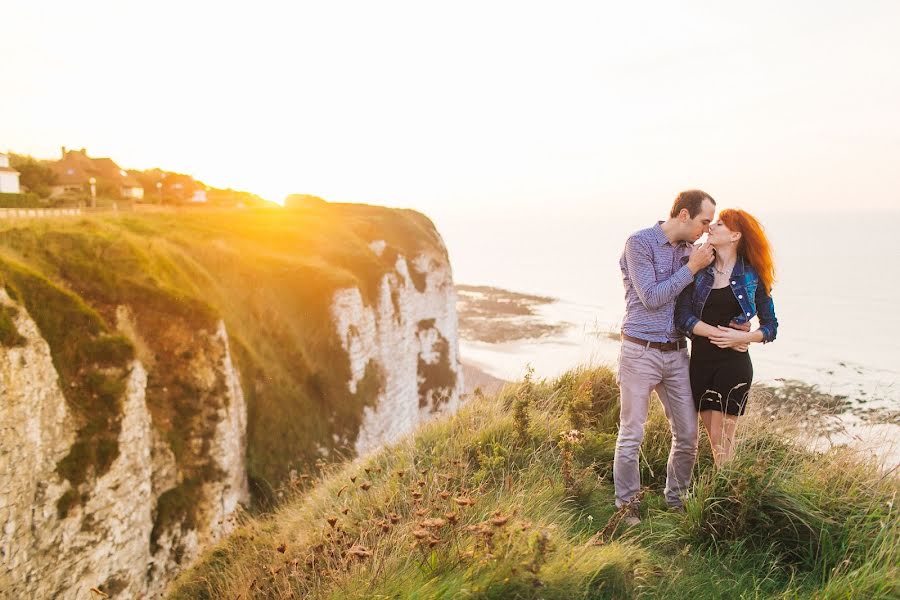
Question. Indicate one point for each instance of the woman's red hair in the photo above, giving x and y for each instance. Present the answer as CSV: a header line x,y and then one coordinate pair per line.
x,y
753,245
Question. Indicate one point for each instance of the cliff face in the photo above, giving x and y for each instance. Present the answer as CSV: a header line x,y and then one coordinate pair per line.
x,y
409,338
105,539
142,402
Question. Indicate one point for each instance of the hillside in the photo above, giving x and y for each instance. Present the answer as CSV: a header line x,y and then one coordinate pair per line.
x,y
158,369
512,498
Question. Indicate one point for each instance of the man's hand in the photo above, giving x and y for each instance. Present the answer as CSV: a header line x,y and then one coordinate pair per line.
x,y
700,258
740,326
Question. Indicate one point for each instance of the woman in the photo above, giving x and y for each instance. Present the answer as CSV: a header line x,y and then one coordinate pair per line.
x,y
736,287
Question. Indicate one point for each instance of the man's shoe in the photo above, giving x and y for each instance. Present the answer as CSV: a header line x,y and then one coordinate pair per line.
x,y
632,515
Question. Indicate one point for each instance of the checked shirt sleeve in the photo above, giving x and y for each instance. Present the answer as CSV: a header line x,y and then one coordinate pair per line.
x,y
642,273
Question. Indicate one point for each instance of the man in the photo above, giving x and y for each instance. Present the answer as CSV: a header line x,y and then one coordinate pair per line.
x,y
657,264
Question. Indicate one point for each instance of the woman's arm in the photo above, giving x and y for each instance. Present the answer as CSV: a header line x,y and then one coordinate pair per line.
x,y
704,329
726,337
735,341
765,309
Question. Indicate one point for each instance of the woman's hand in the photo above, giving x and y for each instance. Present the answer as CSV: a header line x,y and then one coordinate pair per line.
x,y
726,337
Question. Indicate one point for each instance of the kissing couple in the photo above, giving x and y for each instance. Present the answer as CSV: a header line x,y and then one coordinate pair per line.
x,y
709,293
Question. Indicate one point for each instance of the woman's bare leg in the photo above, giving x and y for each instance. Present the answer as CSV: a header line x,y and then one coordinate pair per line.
x,y
729,428
712,420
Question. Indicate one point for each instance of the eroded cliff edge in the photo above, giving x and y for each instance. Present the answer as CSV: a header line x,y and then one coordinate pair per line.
x,y
159,371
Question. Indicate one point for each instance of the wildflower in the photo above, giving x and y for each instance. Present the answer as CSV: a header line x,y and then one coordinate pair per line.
x,y
395,518
365,485
331,521
420,534
572,436
499,521
433,523
464,501
281,547
444,495
451,517
416,495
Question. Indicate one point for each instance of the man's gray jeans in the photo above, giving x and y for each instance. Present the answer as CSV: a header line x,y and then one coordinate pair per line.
x,y
642,370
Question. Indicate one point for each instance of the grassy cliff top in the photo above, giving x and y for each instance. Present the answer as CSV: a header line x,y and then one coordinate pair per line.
x,y
270,274
513,498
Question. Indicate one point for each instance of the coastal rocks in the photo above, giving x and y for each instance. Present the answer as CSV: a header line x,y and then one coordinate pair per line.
x,y
112,537
410,337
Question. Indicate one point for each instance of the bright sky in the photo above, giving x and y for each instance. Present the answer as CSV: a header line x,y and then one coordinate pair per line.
x,y
456,105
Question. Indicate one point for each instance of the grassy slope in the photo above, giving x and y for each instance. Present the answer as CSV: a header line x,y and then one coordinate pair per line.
x,y
270,274
780,522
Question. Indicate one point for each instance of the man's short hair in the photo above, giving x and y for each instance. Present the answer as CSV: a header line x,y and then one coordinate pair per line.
x,y
692,200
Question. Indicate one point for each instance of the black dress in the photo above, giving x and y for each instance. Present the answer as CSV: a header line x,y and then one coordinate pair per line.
x,y
720,377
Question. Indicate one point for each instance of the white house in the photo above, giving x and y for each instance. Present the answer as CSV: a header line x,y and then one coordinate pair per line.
x,y
9,177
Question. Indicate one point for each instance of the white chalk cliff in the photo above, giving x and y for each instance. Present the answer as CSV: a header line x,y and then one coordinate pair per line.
x,y
104,540
410,335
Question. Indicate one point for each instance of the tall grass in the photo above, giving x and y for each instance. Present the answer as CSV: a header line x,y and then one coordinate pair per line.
x,y
508,500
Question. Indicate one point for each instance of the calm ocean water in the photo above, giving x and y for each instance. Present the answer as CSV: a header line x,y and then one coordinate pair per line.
x,y
836,295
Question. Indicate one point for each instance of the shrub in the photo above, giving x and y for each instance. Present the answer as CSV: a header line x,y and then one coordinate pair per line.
x,y
26,200
9,335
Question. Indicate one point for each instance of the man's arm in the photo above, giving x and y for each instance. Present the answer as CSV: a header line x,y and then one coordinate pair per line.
x,y
642,273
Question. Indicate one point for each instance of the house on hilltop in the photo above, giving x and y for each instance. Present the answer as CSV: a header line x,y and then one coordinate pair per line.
x,y
9,177
167,187
75,170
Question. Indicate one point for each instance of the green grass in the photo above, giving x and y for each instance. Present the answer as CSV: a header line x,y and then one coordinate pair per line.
x,y
779,522
269,274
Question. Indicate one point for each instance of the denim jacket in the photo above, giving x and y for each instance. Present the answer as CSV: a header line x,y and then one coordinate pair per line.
x,y
748,291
